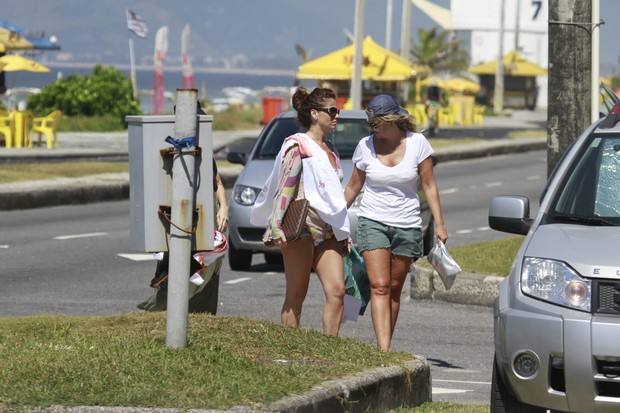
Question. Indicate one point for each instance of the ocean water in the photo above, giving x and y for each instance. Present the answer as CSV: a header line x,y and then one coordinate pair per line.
x,y
213,86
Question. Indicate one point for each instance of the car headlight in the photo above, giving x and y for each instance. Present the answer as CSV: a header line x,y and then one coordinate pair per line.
x,y
245,195
555,282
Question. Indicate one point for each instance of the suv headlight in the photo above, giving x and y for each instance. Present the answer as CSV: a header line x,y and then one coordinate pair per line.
x,y
245,195
555,282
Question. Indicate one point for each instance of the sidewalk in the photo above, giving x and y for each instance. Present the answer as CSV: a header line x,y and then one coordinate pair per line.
x,y
374,390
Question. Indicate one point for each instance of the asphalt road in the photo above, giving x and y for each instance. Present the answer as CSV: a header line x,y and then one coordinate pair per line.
x,y
77,260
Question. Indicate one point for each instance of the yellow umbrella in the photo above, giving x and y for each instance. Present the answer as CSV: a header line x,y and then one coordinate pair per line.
x,y
514,65
378,64
462,85
433,81
14,63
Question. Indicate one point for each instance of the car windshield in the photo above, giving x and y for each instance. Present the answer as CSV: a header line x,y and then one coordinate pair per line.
x,y
345,137
590,193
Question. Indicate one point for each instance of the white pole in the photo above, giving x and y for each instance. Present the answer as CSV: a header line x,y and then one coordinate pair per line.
x,y
595,61
132,65
182,219
405,29
388,26
356,78
498,94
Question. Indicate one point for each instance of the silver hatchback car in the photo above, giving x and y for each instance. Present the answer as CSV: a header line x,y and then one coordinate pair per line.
x,y
557,316
245,239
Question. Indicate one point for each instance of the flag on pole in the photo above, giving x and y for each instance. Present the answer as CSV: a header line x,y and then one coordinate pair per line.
x,y
136,24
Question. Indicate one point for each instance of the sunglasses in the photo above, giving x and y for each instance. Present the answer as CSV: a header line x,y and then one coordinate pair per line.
x,y
374,125
331,111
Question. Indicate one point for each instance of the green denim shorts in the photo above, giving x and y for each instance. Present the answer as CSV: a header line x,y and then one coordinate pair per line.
x,y
372,235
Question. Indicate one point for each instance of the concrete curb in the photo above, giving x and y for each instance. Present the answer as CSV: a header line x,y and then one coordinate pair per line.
x,y
376,390
468,288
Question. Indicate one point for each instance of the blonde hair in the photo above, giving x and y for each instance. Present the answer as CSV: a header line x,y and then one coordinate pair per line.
x,y
404,122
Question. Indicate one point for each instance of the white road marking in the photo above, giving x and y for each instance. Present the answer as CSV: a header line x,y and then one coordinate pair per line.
x,y
533,177
448,191
4,246
237,280
441,390
483,229
462,381
92,234
465,231
492,184
138,257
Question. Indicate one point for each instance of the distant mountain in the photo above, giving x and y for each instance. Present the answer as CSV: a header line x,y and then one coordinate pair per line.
x,y
224,33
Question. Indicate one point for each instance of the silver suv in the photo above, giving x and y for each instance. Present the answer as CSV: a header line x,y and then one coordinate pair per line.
x,y
557,316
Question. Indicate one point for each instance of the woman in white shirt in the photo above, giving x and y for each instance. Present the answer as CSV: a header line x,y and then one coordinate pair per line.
x,y
390,165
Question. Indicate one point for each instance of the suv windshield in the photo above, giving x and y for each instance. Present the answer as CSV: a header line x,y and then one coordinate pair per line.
x,y
590,192
347,134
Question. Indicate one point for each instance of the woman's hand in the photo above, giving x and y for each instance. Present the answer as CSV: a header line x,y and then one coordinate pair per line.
x,y
441,233
222,219
346,246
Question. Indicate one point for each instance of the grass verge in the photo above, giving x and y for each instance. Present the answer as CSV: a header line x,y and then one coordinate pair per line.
x,y
122,360
489,257
17,172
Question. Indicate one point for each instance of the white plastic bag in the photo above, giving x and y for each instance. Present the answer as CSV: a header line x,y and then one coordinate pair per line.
x,y
444,264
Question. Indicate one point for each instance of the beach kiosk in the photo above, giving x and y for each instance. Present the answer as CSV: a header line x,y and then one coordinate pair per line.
x,y
520,89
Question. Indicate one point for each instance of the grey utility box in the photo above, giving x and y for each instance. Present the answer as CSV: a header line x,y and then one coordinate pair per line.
x,y
150,182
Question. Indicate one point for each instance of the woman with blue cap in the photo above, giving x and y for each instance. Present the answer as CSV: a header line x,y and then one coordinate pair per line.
x,y
389,165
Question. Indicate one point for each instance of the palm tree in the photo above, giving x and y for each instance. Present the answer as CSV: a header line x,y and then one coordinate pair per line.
x,y
439,50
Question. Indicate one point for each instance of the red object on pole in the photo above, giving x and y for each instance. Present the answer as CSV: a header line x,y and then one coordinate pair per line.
x,y
271,107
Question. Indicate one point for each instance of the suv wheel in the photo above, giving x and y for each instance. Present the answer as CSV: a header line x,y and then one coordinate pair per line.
x,y
239,260
502,401
276,259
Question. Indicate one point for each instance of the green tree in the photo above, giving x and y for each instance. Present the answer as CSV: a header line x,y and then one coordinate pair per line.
x,y
439,51
106,92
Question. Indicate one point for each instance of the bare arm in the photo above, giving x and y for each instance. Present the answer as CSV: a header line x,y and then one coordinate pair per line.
x,y
429,186
222,212
354,186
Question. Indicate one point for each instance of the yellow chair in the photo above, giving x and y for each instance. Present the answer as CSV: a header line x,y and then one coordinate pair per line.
x,y
7,128
47,126
21,129
446,117
479,114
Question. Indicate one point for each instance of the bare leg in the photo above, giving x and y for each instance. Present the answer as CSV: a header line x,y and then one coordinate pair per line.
x,y
400,268
378,264
297,267
330,270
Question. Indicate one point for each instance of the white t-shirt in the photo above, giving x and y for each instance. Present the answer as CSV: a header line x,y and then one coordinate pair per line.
x,y
391,193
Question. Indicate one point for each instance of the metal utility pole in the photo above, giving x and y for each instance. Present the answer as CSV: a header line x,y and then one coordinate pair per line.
x,y
498,93
356,78
570,75
388,26
182,219
405,30
596,16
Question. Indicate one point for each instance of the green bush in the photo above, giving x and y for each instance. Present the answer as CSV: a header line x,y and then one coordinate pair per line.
x,y
106,92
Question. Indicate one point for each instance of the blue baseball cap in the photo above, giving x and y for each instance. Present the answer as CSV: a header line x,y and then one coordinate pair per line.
x,y
382,105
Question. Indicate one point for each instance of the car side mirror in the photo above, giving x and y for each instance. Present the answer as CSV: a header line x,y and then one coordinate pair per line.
x,y
510,213
237,157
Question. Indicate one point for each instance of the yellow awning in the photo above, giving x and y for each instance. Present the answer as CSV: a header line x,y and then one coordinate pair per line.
x,y
514,65
378,64
462,85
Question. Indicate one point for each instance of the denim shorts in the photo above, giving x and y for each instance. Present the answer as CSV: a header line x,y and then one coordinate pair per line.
x,y
372,235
